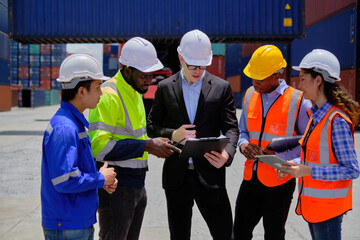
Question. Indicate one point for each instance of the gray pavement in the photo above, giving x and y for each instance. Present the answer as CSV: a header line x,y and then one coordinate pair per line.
x,y
21,132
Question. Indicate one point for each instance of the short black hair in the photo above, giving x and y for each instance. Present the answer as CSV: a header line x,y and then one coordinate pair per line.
x,y
69,94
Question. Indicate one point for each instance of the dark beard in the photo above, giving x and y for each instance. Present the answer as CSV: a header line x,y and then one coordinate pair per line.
x,y
131,82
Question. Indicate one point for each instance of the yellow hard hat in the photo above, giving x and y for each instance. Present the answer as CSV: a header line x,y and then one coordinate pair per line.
x,y
264,62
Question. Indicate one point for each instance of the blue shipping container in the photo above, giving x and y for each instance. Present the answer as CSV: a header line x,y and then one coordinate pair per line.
x,y
23,49
14,48
34,60
56,60
233,59
111,20
4,46
34,73
55,84
336,34
14,73
4,72
45,60
23,60
4,17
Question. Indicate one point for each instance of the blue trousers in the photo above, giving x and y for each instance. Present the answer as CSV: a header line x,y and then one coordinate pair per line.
x,y
328,230
80,234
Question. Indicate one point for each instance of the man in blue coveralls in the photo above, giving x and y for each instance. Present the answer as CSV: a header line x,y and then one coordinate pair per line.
x,y
69,178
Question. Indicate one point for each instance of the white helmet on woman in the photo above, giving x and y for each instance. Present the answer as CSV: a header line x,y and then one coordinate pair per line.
x,y
322,61
79,67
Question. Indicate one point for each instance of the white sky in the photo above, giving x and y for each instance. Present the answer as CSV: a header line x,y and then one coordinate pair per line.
x,y
94,49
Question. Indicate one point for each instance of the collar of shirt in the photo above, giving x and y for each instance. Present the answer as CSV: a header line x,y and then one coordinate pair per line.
x,y
318,113
69,107
278,91
129,89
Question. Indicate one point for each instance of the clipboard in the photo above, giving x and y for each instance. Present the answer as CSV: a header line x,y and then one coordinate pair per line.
x,y
198,147
283,143
273,161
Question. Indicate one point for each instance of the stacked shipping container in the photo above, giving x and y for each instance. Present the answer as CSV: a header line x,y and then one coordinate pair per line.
x,y
34,69
333,27
5,91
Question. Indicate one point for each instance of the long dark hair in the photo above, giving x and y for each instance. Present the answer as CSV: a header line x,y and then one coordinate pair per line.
x,y
338,96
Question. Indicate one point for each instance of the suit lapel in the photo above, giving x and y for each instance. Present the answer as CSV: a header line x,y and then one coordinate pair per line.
x,y
177,87
205,89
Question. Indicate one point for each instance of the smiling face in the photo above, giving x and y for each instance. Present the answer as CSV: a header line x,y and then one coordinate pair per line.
x,y
267,85
191,76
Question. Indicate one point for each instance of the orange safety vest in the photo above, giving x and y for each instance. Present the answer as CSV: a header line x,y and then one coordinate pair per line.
x,y
278,122
319,200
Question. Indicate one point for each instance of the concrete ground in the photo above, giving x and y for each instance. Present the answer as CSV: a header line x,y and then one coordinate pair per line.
x,y
21,131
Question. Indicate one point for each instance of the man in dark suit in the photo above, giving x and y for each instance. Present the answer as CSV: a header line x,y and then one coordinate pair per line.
x,y
195,104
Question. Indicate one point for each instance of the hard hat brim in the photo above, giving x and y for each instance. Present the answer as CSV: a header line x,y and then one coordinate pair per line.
x,y
297,68
193,62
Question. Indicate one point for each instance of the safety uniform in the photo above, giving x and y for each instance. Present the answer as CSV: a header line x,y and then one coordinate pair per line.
x,y
322,200
119,115
279,122
69,179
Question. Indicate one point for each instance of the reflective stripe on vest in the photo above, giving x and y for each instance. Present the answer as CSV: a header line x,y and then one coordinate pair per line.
x,y
261,133
322,200
117,130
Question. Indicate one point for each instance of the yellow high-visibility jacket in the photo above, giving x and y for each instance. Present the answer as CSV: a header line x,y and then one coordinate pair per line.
x,y
119,115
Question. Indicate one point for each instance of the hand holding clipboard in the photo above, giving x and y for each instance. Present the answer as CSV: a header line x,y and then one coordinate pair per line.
x,y
197,147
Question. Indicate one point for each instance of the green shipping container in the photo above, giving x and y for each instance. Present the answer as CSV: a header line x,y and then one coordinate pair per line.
x,y
52,97
34,49
218,49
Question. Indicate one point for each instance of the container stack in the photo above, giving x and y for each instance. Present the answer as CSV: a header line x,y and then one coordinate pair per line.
x,y
217,66
111,58
5,91
233,70
58,54
33,72
332,25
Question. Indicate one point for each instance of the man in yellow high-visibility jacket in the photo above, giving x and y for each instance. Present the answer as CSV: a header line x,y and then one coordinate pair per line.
x,y
118,136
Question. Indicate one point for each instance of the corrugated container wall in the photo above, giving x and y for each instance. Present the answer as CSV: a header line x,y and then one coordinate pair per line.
x,y
336,34
99,21
318,10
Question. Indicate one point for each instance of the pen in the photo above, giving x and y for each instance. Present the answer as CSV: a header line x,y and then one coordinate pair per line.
x,y
175,144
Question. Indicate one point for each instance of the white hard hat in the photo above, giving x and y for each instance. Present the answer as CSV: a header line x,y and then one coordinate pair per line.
x,y
195,48
322,61
79,67
140,54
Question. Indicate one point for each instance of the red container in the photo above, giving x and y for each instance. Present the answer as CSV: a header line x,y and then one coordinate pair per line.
x,y
348,81
318,10
5,98
248,49
217,67
54,72
23,72
45,84
45,73
235,83
45,49
106,48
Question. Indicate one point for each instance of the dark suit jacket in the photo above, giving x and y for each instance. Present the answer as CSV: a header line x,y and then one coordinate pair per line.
x,y
215,115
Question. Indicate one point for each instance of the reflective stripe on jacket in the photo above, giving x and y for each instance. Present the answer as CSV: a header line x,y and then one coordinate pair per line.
x,y
322,200
279,122
119,115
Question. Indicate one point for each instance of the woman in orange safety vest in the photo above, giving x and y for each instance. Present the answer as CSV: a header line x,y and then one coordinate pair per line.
x,y
328,158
